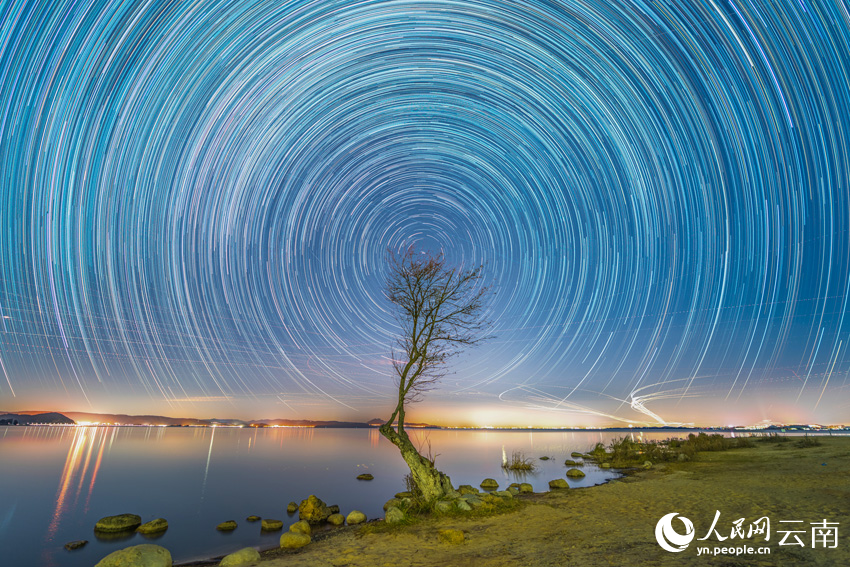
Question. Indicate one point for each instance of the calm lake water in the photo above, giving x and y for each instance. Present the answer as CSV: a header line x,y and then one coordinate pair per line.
x,y
56,482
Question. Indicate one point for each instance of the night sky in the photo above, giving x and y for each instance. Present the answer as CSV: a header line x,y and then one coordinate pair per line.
x,y
197,199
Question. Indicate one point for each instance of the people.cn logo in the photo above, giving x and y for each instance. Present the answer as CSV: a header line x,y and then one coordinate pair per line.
x,y
671,540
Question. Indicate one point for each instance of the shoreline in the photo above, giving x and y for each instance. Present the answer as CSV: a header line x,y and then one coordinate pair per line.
x,y
613,523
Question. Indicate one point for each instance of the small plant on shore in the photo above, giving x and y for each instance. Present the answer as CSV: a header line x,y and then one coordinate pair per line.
x,y
807,442
774,438
519,462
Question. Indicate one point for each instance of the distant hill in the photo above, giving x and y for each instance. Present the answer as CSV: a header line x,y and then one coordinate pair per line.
x,y
26,418
124,419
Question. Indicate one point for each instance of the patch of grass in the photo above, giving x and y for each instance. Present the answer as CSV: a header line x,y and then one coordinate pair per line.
x,y
626,452
519,462
774,438
807,442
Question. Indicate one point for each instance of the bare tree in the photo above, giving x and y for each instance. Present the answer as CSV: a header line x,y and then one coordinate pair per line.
x,y
440,311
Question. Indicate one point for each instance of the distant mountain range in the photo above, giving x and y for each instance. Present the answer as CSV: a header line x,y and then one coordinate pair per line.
x,y
70,417
27,418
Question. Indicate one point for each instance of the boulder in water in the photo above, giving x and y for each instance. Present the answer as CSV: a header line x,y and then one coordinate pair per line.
x,y
153,527
313,510
227,526
119,523
355,517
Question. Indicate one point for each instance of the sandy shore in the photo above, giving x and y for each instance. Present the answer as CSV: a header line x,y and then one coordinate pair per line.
x,y
614,524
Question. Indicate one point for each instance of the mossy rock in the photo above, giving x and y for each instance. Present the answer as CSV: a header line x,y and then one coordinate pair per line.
x,y
313,510
489,484
444,506
467,489
463,506
301,527
72,545
355,517
394,515
227,526
526,488
365,476
119,523
145,555
605,465
576,455
239,558
544,458
392,502
291,508
336,519
252,519
153,527
404,495
294,540
513,490
571,463
575,473
271,525
451,536
503,494
333,509
558,483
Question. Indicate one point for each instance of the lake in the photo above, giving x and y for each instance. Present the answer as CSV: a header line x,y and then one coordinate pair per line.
x,y
58,481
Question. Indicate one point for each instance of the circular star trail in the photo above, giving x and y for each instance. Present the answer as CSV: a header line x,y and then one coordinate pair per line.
x,y
197,200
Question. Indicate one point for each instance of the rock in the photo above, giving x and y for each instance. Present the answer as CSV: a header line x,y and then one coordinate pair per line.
x,y
463,506
588,457
576,455
145,555
244,556
503,494
575,473
271,525
489,484
647,464
301,527
336,519
474,501
153,527
392,502
605,465
444,506
467,489
514,484
394,515
291,508
451,536
71,545
404,495
313,510
252,519
355,517
119,523
334,509
365,476
526,488
452,495
558,483
294,540
544,458
514,490
570,463
227,526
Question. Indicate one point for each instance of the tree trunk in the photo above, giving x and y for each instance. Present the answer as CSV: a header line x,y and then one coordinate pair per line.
x,y
433,483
